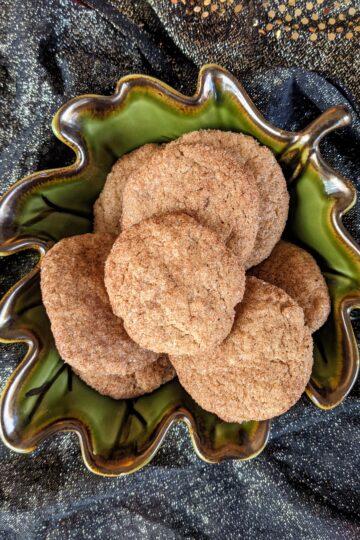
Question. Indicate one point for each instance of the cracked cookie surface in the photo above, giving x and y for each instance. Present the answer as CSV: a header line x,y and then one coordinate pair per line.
x,y
174,283
273,194
207,183
262,367
87,334
108,206
296,272
143,381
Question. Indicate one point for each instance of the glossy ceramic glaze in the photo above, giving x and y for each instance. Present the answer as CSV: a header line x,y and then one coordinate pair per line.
x,y
43,396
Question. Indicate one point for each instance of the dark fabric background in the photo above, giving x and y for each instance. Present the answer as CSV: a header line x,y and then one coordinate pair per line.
x,y
306,484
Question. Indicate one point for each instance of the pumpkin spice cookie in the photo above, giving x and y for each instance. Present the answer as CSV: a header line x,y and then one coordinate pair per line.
x,y
174,283
262,367
142,381
205,182
296,272
274,197
87,334
108,206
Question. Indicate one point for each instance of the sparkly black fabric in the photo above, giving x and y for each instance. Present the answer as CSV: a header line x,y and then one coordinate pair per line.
x,y
306,484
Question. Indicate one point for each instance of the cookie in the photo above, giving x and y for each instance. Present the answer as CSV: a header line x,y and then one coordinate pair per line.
x,y
274,197
87,334
142,381
208,184
108,206
262,367
296,272
174,283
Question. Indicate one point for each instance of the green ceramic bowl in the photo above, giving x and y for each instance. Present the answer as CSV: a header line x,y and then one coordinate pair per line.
x,y
43,396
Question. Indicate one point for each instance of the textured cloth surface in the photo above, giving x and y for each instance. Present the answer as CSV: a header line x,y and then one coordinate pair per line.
x,y
306,484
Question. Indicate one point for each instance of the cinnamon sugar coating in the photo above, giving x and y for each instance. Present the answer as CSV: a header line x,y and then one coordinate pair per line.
x,y
174,283
262,367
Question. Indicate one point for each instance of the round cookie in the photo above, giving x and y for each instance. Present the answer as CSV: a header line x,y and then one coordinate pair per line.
x,y
296,272
208,184
274,197
262,367
142,381
108,206
87,334
174,283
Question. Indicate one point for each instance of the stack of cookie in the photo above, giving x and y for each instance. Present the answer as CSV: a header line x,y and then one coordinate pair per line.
x,y
162,284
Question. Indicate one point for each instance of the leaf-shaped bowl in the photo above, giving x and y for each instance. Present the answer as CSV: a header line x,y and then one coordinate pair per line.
x,y
43,396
